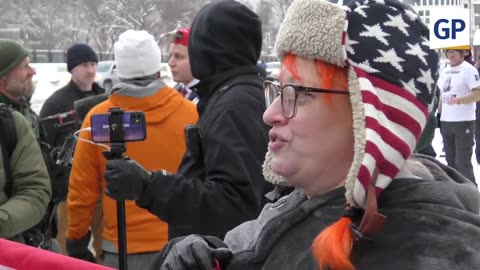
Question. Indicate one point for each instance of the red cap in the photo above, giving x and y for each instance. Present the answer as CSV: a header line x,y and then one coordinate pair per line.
x,y
181,36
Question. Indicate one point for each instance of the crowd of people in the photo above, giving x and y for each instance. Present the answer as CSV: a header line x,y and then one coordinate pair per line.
x,y
323,167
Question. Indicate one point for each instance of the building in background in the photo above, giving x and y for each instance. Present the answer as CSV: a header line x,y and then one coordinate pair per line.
x,y
423,8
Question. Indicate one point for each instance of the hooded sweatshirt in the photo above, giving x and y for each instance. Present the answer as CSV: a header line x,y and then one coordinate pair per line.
x,y
432,223
224,36
219,183
166,115
225,42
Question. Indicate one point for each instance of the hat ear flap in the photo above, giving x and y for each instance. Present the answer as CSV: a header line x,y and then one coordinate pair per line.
x,y
359,136
268,173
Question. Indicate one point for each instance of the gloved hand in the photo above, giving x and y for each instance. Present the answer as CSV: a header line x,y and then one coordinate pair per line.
x,y
126,179
79,248
193,252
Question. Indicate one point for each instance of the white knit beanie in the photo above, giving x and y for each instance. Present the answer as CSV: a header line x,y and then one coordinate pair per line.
x,y
137,55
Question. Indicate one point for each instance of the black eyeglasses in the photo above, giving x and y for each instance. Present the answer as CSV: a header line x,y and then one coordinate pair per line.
x,y
288,95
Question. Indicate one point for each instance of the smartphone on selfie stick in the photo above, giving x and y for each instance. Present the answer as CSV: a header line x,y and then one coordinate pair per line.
x,y
117,127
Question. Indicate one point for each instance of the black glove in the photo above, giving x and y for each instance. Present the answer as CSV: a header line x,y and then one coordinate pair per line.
x,y
79,248
194,252
126,179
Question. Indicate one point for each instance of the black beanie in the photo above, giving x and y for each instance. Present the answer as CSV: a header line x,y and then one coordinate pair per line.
x,y
78,54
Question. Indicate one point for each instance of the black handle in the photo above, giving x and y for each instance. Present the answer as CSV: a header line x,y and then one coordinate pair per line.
x,y
122,235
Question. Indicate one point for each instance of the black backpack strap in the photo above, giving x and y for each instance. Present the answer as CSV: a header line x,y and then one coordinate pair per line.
x,y
8,141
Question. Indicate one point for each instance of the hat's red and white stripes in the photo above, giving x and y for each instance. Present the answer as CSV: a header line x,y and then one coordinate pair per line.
x,y
394,120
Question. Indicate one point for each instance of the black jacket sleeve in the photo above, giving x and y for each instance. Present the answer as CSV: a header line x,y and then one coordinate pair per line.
x,y
50,108
231,192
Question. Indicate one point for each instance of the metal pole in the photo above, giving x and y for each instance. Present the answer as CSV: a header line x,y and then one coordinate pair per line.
x,y
122,235
116,152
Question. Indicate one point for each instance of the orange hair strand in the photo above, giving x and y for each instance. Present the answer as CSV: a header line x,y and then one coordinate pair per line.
x,y
332,76
332,247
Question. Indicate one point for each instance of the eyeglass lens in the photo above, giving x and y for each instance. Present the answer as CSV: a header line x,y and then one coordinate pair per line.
x,y
271,92
288,101
287,98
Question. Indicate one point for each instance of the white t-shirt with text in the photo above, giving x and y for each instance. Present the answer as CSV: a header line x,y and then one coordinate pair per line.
x,y
458,81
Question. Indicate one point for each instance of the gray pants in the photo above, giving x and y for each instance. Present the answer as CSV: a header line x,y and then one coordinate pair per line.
x,y
138,261
477,140
458,143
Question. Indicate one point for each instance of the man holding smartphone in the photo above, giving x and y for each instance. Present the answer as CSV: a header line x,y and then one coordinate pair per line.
x,y
219,183
138,61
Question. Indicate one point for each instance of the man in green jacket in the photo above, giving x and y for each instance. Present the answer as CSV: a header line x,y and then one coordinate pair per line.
x,y
16,85
31,188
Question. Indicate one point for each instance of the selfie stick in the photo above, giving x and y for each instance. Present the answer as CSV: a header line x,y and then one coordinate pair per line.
x,y
117,149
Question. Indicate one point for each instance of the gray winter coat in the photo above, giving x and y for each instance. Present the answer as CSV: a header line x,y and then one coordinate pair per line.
x,y
432,224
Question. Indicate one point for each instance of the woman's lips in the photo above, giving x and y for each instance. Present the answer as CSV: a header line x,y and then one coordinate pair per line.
x,y
276,145
276,142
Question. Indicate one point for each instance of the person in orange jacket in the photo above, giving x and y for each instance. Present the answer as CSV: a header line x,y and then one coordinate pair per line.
x,y
138,61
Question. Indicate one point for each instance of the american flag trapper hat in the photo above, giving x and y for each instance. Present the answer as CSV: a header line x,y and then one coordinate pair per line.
x,y
391,72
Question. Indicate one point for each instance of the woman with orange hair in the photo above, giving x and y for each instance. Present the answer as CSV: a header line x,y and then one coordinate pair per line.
x,y
355,91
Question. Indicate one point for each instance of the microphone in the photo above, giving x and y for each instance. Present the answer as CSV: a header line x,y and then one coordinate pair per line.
x,y
60,119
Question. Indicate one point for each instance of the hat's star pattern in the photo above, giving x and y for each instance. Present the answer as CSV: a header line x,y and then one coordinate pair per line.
x,y
398,22
427,79
360,10
391,58
375,31
349,44
411,15
365,65
425,42
410,86
415,50
387,42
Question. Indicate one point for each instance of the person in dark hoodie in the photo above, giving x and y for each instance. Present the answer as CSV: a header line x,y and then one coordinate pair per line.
x,y
81,63
219,183
343,130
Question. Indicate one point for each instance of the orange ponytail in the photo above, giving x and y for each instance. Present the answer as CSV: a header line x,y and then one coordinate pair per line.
x,y
332,247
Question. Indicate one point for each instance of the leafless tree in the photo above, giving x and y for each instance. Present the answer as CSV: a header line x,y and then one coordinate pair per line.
x,y
39,20
57,24
279,9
